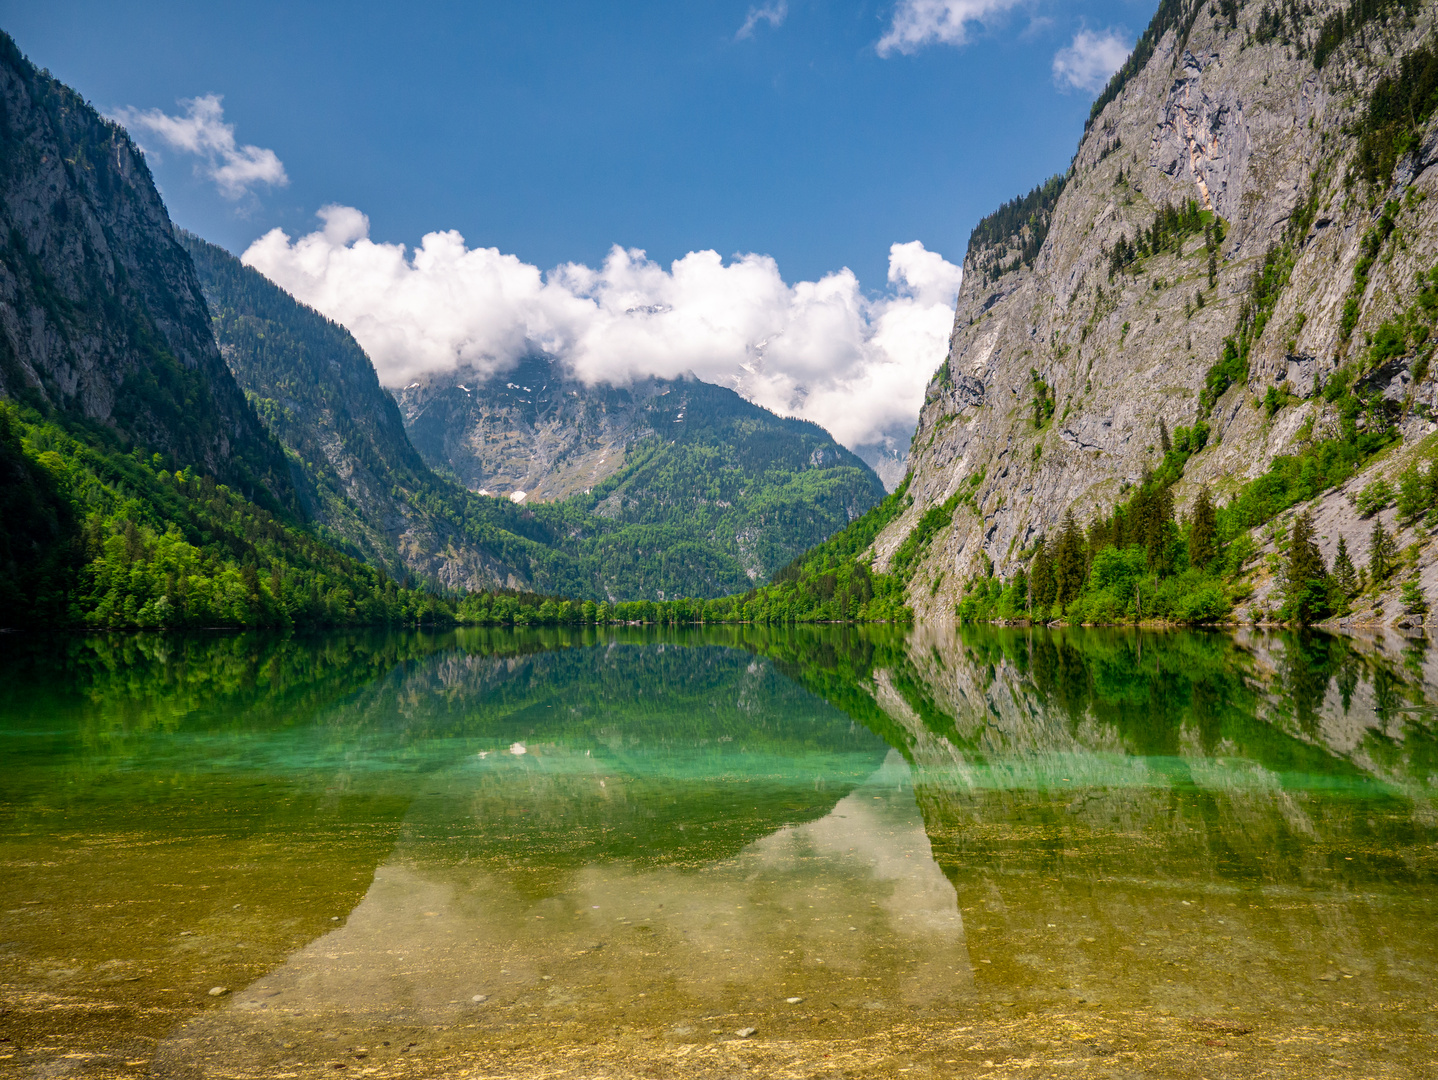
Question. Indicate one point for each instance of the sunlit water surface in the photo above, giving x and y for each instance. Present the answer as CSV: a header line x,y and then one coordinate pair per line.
x,y
787,853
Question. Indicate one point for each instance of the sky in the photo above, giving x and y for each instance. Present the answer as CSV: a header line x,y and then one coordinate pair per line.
x,y
775,196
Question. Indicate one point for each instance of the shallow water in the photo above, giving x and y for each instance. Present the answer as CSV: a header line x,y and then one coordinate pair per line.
x,y
528,853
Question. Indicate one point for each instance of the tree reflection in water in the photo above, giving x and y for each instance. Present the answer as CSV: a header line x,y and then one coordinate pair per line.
x,y
1132,835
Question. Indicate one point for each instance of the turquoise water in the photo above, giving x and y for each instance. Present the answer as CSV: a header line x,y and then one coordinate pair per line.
x,y
553,853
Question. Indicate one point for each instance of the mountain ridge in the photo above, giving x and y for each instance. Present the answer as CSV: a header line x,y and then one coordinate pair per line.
x,y
1073,360
103,321
355,471
698,501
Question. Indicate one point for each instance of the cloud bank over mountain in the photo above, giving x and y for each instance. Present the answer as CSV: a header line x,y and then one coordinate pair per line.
x,y
822,350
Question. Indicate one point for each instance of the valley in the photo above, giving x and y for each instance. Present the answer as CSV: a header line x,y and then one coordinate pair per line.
x,y
1208,336
421,663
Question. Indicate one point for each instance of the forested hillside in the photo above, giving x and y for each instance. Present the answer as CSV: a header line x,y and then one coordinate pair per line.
x,y
102,322
667,461
762,488
95,535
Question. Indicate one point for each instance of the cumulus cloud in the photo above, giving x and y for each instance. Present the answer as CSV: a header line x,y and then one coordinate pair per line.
x,y
774,13
822,350
202,131
1087,62
918,23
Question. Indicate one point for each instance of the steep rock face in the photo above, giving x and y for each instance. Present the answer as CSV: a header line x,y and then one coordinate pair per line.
x,y
357,475
720,479
101,318
533,429
1238,120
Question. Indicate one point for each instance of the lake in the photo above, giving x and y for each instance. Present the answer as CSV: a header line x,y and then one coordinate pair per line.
x,y
712,852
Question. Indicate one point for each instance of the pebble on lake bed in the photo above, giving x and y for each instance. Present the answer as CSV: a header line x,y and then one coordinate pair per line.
x,y
793,1001
478,998
744,1033
216,991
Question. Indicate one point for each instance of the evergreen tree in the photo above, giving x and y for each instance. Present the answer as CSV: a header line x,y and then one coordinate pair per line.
x,y
1344,575
1305,584
1070,562
1414,602
1043,577
1164,442
1202,529
1382,553
1157,517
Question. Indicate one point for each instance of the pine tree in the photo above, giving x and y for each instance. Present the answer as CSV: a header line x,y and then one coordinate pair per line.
x,y
1070,563
1382,553
1305,585
1414,602
1343,573
1202,529
1043,577
1157,519
1164,442
1021,590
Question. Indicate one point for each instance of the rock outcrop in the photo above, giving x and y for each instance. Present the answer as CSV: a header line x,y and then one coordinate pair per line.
x,y
533,429
1232,115
354,469
101,317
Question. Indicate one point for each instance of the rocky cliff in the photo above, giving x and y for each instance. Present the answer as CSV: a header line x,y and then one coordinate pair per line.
x,y
101,319
357,475
533,429
1223,243
681,459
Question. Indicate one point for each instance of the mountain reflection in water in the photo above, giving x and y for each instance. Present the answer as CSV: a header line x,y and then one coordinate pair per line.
x,y
543,852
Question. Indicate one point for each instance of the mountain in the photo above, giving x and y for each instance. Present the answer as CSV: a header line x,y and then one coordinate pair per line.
x,y
532,428
677,454
1232,286
726,496
102,321
137,485
358,478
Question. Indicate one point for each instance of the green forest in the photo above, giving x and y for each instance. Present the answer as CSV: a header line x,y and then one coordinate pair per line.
x,y
95,536
729,490
1141,562
98,536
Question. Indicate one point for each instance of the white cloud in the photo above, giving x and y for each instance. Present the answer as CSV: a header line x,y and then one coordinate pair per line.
x,y
202,131
1090,59
774,13
821,349
944,22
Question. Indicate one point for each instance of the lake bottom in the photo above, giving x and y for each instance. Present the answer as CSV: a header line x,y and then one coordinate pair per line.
x,y
680,859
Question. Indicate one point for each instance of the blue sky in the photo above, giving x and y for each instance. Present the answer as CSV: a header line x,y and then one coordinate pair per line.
x,y
552,131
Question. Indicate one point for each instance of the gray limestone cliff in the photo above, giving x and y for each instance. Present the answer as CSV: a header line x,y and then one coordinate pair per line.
x,y
102,322
533,429
1233,115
